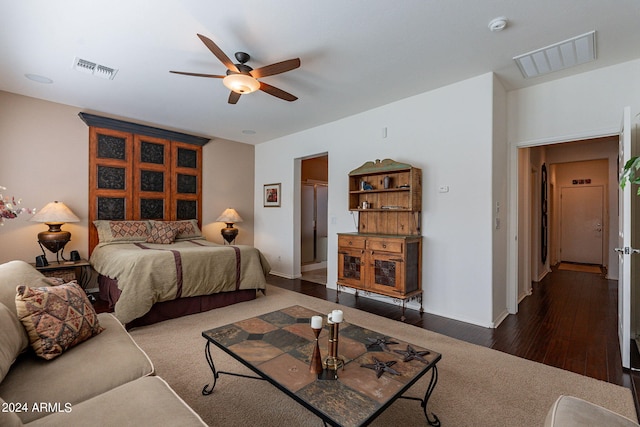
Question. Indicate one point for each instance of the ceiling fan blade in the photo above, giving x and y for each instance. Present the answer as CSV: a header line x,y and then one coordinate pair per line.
x,y
215,76
233,97
277,68
218,53
279,93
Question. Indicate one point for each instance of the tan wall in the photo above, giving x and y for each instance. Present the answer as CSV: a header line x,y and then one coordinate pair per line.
x,y
44,157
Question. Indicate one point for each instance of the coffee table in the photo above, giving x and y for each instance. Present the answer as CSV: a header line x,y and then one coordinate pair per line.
x,y
277,346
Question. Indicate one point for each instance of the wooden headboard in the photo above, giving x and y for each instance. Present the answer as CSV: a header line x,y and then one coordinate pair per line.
x,y
138,172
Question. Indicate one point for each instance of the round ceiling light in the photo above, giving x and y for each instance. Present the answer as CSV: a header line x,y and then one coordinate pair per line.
x,y
241,83
38,78
498,24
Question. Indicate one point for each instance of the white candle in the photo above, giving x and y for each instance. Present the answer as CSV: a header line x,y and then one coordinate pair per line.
x,y
337,316
316,322
329,317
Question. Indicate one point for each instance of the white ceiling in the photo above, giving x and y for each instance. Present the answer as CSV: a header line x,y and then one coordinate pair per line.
x,y
355,54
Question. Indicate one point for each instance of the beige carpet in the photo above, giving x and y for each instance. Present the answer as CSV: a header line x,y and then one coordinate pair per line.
x,y
585,268
477,386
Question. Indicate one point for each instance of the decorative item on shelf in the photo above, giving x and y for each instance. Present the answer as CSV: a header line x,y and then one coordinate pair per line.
x,y
9,207
367,186
386,182
333,362
54,215
230,217
315,365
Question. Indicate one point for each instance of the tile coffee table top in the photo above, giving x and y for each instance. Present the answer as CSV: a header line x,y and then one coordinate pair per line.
x,y
278,346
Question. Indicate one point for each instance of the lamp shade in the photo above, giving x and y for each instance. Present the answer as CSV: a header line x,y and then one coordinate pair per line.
x,y
229,216
241,83
55,212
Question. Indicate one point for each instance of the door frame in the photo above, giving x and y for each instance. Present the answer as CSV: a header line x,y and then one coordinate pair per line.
x,y
515,258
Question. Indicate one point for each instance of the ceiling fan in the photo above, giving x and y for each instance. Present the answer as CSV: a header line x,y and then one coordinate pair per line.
x,y
243,79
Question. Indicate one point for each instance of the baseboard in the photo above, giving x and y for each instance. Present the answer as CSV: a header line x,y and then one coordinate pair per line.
x,y
286,276
313,266
500,319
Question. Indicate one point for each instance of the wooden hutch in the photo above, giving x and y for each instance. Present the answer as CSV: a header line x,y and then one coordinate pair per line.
x,y
385,256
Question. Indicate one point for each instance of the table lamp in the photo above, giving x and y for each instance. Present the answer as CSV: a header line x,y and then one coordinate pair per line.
x,y
229,216
54,214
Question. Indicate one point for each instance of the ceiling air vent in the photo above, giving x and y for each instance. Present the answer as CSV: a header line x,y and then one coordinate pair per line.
x,y
92,68
568,53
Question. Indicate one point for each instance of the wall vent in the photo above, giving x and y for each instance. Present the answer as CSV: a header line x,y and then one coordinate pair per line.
x,y
568,53
92,68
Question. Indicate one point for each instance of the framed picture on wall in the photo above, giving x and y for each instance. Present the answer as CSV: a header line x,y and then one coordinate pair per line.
x,y
271,195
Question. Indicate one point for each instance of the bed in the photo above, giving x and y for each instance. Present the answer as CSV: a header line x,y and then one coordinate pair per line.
x,y
151,271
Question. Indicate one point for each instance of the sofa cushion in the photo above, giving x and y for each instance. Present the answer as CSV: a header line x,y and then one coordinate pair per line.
x,y
12,274
8,417
106,361
11,340
147,401
569,411
56,317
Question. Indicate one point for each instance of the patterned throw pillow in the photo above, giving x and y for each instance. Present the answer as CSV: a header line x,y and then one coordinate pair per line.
x,y
122,231
187,229
162,232
56,318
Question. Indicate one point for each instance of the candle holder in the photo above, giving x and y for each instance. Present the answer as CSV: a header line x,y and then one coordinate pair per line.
x,y
333,362
315,366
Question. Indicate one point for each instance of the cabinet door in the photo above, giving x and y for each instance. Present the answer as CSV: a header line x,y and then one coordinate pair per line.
x,y
386,273
351,267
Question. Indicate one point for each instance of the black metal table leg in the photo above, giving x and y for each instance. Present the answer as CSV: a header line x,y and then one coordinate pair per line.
x,y
432,385
208,389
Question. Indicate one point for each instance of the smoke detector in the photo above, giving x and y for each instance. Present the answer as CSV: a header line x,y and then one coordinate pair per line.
x,y
498,24
92,68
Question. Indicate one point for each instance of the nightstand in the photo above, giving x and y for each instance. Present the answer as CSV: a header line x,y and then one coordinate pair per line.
x,y
68,270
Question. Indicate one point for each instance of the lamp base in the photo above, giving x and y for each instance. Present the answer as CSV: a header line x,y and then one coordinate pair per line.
x,y
55,240
229,234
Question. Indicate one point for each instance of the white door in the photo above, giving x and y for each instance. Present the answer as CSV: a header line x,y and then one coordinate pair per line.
x,y
624,245
581,214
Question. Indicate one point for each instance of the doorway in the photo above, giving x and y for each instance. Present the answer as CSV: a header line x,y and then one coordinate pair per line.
x,y
573,164
314,195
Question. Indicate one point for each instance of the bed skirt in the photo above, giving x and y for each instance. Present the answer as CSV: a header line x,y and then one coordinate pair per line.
x,y
166,310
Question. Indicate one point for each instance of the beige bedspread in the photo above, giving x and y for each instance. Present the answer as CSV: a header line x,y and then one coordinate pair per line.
x,y
148,273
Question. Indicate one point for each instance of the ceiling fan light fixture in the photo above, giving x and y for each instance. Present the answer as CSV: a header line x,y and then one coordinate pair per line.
x,y
241,83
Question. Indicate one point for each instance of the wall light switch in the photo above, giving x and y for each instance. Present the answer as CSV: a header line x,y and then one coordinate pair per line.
x,y
443,189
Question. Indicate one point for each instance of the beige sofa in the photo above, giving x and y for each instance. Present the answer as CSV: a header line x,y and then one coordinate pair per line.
x,y
106,380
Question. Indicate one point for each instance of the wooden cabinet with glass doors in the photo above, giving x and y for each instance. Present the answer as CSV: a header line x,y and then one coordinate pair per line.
x,y
385,256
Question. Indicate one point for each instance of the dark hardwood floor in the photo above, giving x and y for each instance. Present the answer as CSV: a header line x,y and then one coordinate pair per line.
x,y
569,321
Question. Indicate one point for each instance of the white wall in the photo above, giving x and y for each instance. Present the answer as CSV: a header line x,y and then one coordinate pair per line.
x,y
499,205
448,133
571,108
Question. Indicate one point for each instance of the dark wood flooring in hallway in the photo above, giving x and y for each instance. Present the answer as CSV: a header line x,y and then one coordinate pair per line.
x,y
569,321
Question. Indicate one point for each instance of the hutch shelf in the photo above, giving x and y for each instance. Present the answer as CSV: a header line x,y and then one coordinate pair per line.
x,y
385,256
